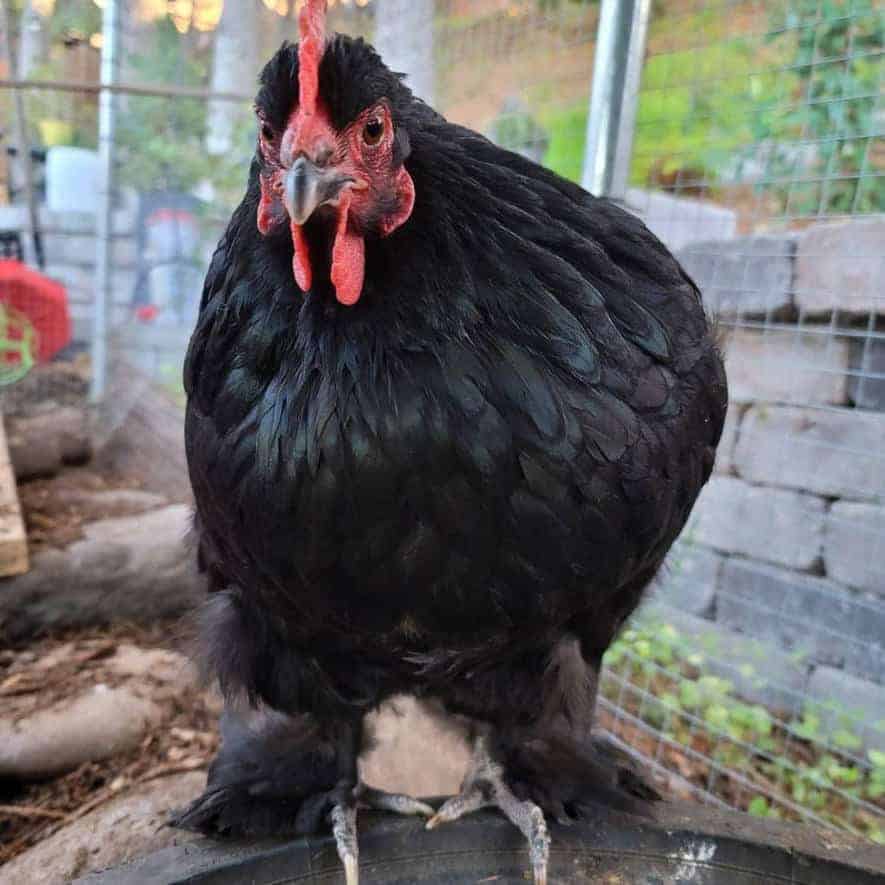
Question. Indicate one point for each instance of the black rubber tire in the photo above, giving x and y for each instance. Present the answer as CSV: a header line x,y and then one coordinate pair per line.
x,y
694,845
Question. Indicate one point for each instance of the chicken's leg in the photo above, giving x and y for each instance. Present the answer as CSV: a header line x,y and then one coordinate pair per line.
x,y
348,800
485,787
277,775
344,817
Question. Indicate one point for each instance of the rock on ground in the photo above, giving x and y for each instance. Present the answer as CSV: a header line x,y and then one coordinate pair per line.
x,y
120,831
108,503
136,568
40,444
158,664
96,725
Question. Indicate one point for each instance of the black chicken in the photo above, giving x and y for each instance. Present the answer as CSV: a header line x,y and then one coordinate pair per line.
x,y
447,412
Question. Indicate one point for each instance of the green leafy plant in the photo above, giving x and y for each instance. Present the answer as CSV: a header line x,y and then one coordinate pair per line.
x,y
665,679
161,140
683,127
835,49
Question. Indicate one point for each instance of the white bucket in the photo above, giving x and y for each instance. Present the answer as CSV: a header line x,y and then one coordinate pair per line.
x,y
71,179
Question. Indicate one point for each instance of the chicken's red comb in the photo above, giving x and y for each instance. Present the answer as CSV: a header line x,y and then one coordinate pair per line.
x,y
312,29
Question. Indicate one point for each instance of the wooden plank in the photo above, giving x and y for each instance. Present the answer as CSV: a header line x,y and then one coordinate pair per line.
x,y
13,538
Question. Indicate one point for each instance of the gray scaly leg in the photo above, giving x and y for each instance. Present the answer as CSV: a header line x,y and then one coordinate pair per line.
x,y
485,787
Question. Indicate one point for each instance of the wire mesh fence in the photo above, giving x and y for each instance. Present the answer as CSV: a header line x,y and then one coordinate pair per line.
x,y
754,675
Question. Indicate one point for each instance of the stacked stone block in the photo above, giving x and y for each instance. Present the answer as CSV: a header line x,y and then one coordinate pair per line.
x,y
786,545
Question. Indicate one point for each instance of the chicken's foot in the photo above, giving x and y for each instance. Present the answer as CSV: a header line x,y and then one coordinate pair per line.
x,y
344,816
485,787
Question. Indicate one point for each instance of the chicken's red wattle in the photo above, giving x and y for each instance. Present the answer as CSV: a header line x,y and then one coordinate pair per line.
x,y
301,259
348,257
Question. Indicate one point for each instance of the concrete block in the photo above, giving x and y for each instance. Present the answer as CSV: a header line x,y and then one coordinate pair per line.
x,y
849,703
14,218
760,673
866,388
839,454
746,276
123,285
81,323
854,544
79,249
728,441
815,619
796,366
841,267
689,578
678,221
125,253
80,282
773,525
66,222
82,319
77,279
69,248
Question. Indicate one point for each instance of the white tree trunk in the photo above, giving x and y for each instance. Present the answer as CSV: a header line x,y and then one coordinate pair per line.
x,y
235,67
404,38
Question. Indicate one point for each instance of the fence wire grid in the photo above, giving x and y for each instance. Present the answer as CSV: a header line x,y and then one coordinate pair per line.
x,y
753,677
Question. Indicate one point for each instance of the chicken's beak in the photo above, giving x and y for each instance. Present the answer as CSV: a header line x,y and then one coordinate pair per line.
x,y
308,186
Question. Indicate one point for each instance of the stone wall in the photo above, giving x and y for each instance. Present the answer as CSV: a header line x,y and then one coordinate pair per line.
x,y
787,542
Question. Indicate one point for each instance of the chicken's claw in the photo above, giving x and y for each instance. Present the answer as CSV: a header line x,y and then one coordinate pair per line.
x,y
485,787
343,817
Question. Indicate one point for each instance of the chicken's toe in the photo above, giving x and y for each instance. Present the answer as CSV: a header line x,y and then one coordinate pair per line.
x,y
398,803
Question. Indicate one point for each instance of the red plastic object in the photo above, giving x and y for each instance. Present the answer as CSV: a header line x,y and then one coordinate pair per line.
x,y
43,301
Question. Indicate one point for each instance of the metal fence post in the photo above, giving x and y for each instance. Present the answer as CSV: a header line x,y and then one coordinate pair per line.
x,y
22,143
104,221
617,69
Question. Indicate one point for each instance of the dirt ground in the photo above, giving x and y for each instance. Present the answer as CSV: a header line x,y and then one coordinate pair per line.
x,y
56,508
63,382
52,670
61,667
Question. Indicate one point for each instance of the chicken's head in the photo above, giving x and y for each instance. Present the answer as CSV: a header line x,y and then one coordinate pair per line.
x,y
331,165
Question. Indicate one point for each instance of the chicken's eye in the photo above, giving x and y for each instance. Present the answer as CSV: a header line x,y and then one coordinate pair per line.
x,y
266,132
372,131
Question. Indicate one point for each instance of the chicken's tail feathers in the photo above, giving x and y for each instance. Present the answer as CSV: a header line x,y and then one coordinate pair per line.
x,y
273,775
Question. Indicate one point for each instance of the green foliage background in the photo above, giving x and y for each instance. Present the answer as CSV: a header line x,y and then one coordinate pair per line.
x,y
808,88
